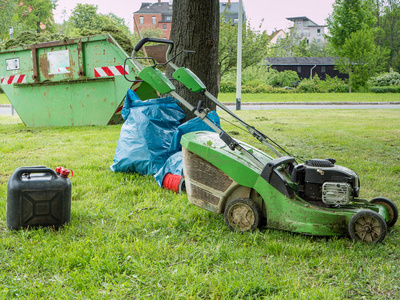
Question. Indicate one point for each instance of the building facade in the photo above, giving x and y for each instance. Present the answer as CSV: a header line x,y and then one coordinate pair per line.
x,y
230,11
154,15
159,15
304,28
306,67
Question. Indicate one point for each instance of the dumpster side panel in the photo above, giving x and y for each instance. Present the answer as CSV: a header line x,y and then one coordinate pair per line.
x,y
74,83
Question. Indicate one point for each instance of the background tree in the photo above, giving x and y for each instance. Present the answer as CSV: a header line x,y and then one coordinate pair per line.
x,y
195,26
7,9
388,29
37,15
85,21
361,58
85,16
253,51
349,16
352,37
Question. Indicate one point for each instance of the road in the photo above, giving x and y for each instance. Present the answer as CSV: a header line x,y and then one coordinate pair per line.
x,y
5,109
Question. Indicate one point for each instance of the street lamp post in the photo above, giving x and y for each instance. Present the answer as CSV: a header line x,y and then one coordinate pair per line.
x,y
239,58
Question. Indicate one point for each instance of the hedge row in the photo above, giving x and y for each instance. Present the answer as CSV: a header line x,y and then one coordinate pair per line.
x,y
385,89
315,85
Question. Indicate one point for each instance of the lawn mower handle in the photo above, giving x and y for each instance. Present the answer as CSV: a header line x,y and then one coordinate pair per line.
x,y
143,41
154,40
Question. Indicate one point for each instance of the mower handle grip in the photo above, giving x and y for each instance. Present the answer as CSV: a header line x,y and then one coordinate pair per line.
x,y
154,40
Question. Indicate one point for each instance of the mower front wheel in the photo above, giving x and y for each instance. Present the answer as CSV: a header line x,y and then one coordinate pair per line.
x,y
242,215
367,226
391,208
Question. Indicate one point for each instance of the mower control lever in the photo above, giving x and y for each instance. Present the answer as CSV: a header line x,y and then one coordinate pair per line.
x,y
199,107
228,140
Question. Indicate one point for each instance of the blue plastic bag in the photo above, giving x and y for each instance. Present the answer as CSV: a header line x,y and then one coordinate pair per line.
x,y
174,163
130,100
195,124
146,134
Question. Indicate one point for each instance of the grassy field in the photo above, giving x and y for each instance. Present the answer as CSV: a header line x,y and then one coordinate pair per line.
x,y
129,239
312,97
318,97
4,99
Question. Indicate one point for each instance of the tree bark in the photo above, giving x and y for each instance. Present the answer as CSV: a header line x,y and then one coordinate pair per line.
x,y
195,26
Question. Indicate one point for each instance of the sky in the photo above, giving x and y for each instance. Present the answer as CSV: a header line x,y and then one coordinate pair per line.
x,y
274,12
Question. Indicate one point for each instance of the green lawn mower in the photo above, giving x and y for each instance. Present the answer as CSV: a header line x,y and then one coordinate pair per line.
x,y
251,188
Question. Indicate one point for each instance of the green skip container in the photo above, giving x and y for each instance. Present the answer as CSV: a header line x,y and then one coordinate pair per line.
x,y
72,82
38,197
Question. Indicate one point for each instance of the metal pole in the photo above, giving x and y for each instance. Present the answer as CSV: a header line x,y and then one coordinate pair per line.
x,y
11,36
239,58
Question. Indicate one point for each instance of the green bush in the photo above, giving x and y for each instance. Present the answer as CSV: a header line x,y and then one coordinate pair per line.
x,y
385,89
309,86
385,79
273,82
335,85
282,79
329,85
227,87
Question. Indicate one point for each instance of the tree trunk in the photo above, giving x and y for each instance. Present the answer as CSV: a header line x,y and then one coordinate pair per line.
x,y
195,26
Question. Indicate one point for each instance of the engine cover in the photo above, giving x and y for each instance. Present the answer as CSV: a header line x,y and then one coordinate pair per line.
x,y
336,193
342,184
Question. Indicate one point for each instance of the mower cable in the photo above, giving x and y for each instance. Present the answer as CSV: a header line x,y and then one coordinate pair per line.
x,y
266,137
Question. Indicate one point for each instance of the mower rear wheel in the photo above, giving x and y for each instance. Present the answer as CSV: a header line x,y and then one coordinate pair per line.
x,y
391,208
367,226
242,214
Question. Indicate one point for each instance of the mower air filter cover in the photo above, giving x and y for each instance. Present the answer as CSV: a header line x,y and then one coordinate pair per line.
x,y
336,193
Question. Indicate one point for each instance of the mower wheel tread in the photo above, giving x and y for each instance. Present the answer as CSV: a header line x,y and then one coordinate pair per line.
x,y
242,214
391,208
367,226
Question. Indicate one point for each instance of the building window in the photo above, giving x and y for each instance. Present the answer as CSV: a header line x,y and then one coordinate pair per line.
x,y
318,41
168,18
164,26
141,20
154,20
318,30
298,69
323,70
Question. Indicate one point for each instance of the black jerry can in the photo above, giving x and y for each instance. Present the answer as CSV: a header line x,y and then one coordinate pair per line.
x,y
37,196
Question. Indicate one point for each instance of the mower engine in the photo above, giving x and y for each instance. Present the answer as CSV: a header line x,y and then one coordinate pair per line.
x,y
322,180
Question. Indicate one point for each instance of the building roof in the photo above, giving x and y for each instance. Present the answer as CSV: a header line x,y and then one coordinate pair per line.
x,y
313,24
300,61
164,8
276,32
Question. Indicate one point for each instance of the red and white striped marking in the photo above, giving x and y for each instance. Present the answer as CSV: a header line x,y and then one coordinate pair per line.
x,y
13,79
110,71
63,69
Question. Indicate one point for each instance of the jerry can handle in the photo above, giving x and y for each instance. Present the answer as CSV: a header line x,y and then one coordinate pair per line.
x,y
38,169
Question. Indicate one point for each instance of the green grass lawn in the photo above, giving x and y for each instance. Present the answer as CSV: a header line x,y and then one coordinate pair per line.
x,y
312,97
317,97
129,239
4,99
